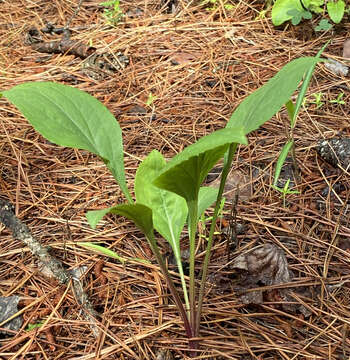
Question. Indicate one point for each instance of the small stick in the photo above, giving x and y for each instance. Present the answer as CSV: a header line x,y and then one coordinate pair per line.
x,y
48,263
74,14
232,233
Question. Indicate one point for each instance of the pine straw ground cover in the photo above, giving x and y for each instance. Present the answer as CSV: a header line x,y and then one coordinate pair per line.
x,y
200,64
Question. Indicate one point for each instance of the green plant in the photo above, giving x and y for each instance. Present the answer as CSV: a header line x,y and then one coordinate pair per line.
x,y
339,100
317,100
299,15
323,25
293,111
151,99
109,253
336,10
168,194
112,11
296,10
203,219
285,191
213,4
30,326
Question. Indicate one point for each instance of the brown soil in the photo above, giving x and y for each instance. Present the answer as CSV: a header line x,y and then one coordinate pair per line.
x,y
200,64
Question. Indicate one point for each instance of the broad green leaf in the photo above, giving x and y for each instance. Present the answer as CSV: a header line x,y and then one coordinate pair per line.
x,y
69,117
207,196
265,102
95,216
314,5
281,10
185,172
169,210
281,159
140,214
298,15
336,10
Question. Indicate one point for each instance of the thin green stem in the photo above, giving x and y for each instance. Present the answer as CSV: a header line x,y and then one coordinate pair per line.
x,y
225,171
172,288
192,221
184,286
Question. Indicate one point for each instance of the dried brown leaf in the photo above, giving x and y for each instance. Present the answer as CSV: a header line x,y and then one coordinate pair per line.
x,y
236,179
266,265
182,58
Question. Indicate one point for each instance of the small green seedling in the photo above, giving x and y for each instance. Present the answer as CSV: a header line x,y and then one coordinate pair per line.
x,y
112,12
339,100
31,327
285,191
293,111
323,25
318,100
169,195
267,8
151,99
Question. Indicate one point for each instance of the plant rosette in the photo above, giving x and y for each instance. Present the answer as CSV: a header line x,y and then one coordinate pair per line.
x,y
169,195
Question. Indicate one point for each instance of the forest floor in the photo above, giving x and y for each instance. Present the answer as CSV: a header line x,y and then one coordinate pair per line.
x,y
199,64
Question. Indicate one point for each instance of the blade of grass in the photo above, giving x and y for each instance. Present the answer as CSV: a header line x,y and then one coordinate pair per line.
x,y
281,159
304,87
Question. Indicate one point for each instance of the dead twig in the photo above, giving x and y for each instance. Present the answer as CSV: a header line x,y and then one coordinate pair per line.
x,y
49,264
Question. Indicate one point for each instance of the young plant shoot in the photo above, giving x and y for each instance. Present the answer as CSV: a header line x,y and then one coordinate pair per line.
x,y
168,194
293,111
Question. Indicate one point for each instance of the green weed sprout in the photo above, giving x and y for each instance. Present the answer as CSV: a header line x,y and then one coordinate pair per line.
x,y
31,327
339,100
317,100
285,191
323,25
151,99
167,194
293,111
112,12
